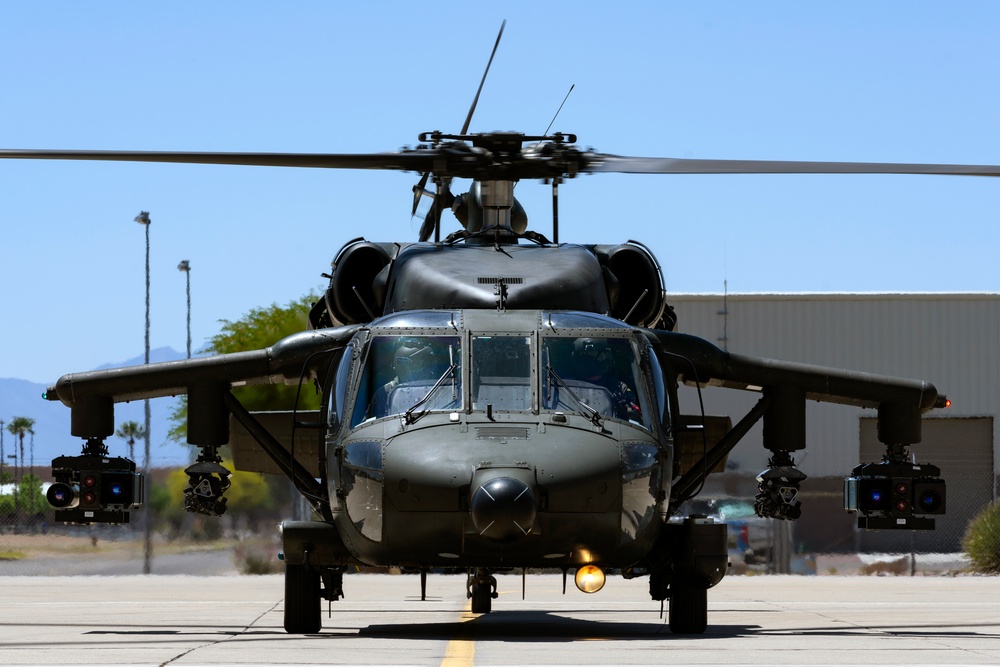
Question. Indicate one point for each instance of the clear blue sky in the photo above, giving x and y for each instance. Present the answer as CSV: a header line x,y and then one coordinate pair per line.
x,y
886,81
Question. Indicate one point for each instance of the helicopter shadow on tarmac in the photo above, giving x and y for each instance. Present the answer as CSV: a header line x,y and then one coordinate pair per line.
x,y
547,626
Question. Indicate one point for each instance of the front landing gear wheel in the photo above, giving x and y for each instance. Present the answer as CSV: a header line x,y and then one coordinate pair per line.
x,y
482,599
303,615
688,609
481,587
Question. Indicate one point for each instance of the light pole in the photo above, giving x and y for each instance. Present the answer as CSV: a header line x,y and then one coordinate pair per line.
x,y
185,266
143,219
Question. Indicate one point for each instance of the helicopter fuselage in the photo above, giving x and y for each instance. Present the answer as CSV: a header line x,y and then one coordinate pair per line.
x,y
498,451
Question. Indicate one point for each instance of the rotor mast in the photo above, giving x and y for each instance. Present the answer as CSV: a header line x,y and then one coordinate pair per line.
x,y
497,199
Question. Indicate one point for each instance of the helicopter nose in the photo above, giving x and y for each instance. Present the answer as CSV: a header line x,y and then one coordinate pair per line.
x,y
503,509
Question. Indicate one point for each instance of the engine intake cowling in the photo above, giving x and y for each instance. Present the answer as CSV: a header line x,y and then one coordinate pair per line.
x,y
353,296
639,297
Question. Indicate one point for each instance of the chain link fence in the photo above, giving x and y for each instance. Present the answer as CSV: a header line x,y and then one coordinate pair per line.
x,y
33,544
824,541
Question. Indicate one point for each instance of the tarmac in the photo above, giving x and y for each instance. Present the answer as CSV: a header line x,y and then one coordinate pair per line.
x,y
753,620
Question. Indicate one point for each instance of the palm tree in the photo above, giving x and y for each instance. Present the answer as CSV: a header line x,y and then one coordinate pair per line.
x,y
3,457
18,426
129,431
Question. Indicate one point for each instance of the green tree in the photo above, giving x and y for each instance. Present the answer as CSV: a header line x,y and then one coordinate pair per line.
x,y
130,432
259,328
31,499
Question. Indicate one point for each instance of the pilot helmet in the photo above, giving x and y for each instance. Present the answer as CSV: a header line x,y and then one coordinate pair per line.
x,y
591,357
416,358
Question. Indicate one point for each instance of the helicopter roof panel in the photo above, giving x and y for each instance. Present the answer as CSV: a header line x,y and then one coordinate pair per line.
x,y
495,321
420,319
581,320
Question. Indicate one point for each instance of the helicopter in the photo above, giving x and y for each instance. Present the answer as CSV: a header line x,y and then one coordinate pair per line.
x,y
497,400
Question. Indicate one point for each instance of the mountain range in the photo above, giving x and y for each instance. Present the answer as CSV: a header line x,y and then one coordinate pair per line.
x,y
21,398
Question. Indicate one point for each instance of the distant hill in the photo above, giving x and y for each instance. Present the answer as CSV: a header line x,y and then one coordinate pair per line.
x,y
21,398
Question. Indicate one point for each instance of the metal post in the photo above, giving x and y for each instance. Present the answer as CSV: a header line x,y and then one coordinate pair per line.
x,y
185,266
147,564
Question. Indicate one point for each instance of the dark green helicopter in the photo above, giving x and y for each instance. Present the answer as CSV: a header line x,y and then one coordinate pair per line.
x,y
496,400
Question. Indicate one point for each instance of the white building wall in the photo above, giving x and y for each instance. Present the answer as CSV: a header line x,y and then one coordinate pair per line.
x,y
951,340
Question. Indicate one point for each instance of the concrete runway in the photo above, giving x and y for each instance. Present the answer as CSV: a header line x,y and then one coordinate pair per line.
x,y
229,620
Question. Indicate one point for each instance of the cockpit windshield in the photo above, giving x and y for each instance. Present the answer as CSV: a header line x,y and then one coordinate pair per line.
x,y
593,375
407,373
410,376
501,372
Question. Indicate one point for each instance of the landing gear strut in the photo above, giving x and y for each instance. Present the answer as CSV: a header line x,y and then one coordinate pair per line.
x,y
481,587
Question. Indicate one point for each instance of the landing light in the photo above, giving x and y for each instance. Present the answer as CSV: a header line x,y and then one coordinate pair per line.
x,y
589,579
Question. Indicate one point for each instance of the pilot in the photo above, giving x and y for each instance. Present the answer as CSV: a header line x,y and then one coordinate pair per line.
x,y
593,362
414,360
418,359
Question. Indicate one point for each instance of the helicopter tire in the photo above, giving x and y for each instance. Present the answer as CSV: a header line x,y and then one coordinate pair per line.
x,y
303,614
688,613
482,599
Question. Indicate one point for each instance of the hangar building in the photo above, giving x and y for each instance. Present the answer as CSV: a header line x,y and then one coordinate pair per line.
x,y
950,340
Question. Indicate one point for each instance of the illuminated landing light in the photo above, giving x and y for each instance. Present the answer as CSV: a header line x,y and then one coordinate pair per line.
x,y
589,579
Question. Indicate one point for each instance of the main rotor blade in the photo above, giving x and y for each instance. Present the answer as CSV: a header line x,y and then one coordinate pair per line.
x,y
475,101
415,160
597,163
458,160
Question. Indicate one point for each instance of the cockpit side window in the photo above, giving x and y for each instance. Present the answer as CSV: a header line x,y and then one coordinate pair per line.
x,y
338,397
403,371
660,390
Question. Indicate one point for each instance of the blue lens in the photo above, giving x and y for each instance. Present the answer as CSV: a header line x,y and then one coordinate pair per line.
x,y
876,495
116,489
930,501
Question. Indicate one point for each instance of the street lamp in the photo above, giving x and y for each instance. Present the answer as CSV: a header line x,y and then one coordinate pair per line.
x,y
185,266
143,219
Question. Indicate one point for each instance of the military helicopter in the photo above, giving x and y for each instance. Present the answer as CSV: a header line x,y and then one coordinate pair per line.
x,y
495,400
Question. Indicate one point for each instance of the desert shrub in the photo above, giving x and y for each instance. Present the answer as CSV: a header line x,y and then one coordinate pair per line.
x,y
253,561
896,567
982,540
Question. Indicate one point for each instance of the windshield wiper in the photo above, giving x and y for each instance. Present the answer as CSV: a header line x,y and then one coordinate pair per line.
x,y
408,416
587,411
